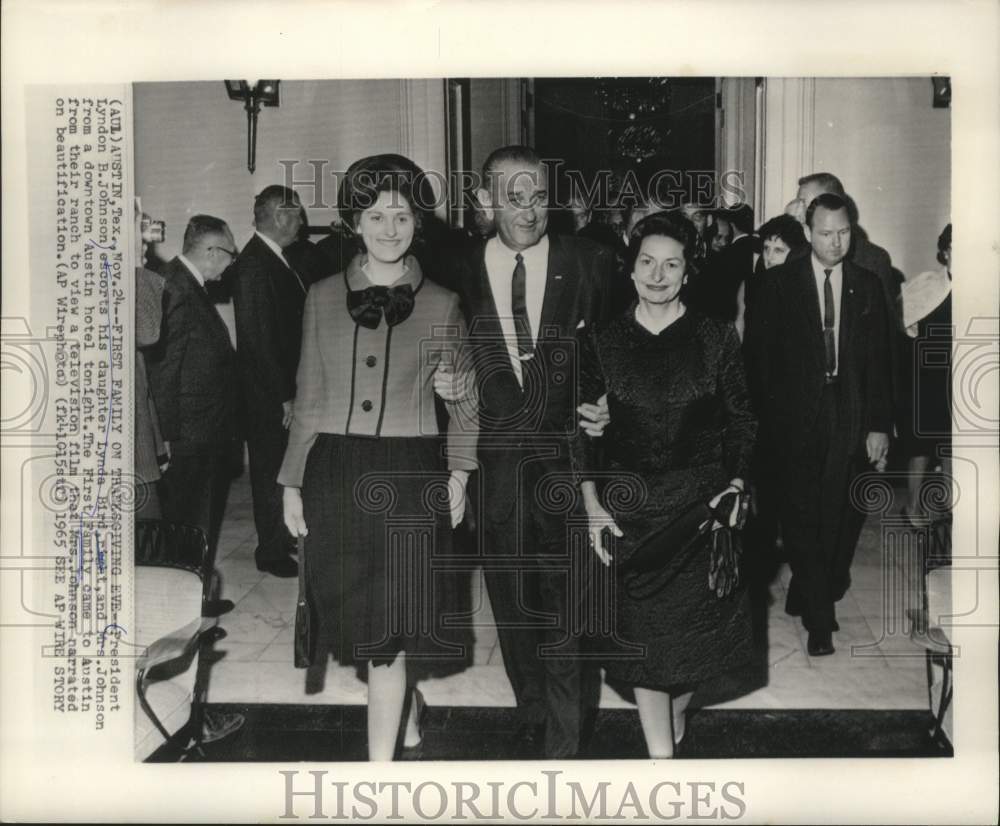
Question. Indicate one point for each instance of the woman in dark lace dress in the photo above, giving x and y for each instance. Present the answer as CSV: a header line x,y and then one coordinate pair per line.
x,y
681,431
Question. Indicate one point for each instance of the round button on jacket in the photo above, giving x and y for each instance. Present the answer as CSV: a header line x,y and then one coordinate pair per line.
x,y
371,361
366,405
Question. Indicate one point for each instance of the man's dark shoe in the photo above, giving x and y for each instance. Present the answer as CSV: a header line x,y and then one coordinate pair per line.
x,y
820,643
285,567
218,724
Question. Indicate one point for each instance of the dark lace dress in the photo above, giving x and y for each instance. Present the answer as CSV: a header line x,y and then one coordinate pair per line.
x,y
681,428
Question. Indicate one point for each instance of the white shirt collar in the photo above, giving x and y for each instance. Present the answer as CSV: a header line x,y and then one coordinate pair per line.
x,y
537,255
819,268
271,243
194,270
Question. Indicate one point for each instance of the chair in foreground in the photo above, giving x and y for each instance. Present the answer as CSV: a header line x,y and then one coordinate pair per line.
x,y
929,626
177,611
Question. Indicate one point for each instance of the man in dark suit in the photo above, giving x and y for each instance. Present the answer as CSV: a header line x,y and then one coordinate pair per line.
x,y
714,289
192,375
268,299
305,257
818,354
865,254
525,294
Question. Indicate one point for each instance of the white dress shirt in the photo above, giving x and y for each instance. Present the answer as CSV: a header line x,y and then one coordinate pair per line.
x,y
837,283
500,263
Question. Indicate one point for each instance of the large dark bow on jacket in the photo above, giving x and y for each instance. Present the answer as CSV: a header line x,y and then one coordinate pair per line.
x,y
367,306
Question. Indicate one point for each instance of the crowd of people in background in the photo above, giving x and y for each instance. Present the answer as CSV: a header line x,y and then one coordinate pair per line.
x,y
710,356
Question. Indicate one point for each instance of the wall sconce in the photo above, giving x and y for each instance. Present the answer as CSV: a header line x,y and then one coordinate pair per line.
x,y
942,92
264,93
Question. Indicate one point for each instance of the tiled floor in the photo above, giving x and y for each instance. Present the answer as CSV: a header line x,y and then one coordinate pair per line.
x,y
875,666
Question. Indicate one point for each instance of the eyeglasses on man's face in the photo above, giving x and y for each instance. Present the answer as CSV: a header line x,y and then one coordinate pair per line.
x,y
231,253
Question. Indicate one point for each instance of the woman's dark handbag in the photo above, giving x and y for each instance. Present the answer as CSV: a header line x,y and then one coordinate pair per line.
x,y
306,624
667,550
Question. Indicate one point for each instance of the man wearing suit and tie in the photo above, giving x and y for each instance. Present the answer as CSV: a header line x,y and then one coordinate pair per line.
x,y
819,353
715,288
525,293
865,254
268,299
192,375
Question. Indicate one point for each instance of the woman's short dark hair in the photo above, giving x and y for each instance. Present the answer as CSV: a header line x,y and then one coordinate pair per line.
x,y
671,225
365,179
786,228
944,244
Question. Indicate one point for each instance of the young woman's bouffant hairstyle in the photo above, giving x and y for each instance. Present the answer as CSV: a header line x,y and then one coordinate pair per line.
x,y
367,178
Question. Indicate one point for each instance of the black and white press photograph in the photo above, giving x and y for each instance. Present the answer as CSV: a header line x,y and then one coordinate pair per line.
x,y
554,418
550,412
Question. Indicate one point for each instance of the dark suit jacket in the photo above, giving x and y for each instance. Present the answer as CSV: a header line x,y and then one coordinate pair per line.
x,y
869,257
713,290
786,359
524,433
192,369
875,259
268,301
308,261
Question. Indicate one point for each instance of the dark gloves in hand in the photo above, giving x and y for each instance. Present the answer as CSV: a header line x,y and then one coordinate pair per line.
x,y
724,562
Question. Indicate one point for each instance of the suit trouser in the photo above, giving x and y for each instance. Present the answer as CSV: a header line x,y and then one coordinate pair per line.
x,y
538,590
193,490
266,446
819,524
